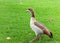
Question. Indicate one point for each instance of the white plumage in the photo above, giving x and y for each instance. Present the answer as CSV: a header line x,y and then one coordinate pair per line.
x,y
36,29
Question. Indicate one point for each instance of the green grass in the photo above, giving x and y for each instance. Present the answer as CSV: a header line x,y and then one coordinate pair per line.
x,y
14,20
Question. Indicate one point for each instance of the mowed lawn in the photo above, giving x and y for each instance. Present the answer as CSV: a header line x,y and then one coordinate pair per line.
x,y
14,20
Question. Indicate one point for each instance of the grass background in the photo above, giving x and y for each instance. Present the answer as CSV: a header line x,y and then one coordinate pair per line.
x,y
14,20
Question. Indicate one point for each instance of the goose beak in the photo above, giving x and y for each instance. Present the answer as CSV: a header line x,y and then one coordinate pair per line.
x,y
27,10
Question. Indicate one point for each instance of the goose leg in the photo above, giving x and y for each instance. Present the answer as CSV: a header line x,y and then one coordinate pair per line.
x,y
34,39
40,38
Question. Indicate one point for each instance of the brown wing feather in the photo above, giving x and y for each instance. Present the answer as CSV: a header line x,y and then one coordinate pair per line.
x,y
42,27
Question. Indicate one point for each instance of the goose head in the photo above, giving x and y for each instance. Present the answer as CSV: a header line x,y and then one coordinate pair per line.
x,y
31,11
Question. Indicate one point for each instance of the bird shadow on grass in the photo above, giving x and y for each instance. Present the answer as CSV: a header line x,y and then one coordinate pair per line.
x,y
42,41
45,39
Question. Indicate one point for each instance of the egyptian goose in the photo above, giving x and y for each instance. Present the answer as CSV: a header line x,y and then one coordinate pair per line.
x,y
37,27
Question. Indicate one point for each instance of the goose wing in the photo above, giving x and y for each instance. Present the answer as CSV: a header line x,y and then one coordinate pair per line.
x,y
42,27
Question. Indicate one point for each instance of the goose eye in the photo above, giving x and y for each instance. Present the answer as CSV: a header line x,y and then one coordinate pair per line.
x,y
28,9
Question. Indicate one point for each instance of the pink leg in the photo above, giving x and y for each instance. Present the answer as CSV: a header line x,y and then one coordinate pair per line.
x,y
40,38
34,39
